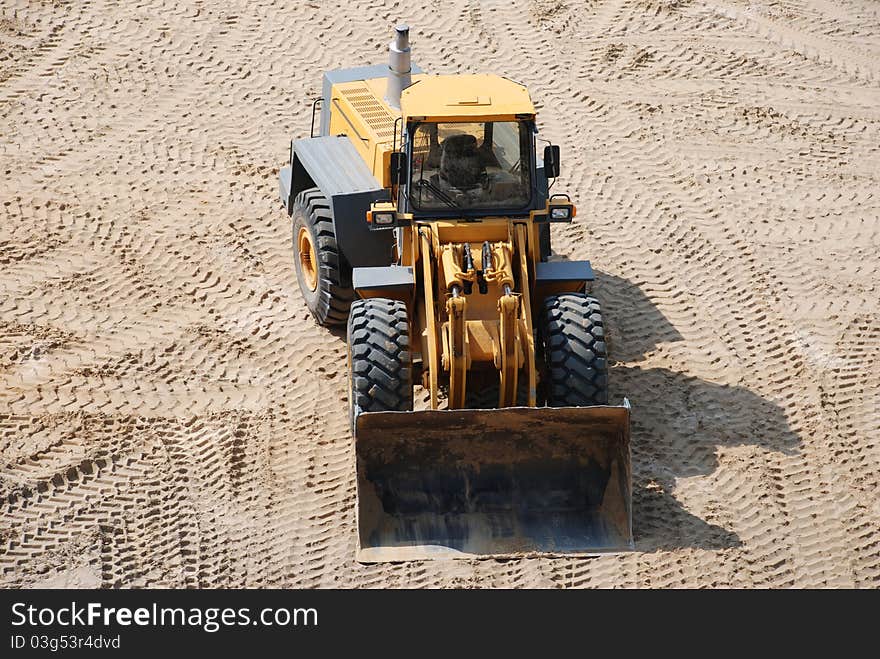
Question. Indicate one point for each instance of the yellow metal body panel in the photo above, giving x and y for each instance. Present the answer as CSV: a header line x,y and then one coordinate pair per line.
x,y
490,228
368,122
483,340
481,97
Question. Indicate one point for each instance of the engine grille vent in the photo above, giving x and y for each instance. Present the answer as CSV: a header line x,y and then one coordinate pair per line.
x,y
371,109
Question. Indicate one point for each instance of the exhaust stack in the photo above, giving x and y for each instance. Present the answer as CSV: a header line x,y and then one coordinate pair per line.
x,y
399,66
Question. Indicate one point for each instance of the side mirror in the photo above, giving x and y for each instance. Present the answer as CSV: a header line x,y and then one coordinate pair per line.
x,y
397,167
551,161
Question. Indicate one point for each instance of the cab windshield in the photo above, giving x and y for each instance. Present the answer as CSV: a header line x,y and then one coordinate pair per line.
x,y
468,166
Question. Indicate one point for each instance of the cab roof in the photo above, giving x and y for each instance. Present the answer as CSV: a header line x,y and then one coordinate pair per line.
x,y
466,98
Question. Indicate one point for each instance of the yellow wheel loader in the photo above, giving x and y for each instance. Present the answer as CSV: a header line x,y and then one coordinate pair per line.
x,y
421,218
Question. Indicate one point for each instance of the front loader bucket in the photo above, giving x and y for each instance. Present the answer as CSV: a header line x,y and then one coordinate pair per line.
x,y
493,483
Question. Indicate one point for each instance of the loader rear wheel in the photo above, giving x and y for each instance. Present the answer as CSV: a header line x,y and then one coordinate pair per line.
x,y
380,366
573,335
323,274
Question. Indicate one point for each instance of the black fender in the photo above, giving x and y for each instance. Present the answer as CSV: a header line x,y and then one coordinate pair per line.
x,y
332,164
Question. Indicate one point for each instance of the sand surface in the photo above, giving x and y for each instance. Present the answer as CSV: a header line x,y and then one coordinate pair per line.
x,y
171,416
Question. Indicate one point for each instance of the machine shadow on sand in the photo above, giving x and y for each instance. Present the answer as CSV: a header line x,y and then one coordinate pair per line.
x,y
678,422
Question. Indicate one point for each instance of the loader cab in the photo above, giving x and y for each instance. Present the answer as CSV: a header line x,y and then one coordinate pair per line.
x,y
467,149
468,168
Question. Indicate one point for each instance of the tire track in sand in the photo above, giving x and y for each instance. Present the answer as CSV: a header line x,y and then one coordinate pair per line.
x,y
170,416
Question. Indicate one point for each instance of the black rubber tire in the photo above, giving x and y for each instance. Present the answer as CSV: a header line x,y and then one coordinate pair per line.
x,y
380,363
573,337
331,299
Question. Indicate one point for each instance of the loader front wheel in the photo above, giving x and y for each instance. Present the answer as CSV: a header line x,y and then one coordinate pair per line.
x,y
323,274
573,337
380,366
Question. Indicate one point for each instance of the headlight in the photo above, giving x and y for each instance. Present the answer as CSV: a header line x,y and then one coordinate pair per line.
x,y
383,219
560,213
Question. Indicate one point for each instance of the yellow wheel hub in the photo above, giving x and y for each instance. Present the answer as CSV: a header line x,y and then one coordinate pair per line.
x,y
308,259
